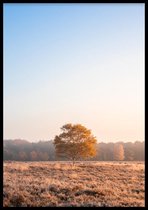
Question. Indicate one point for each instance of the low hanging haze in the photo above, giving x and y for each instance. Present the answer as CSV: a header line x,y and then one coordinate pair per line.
x,y
74,63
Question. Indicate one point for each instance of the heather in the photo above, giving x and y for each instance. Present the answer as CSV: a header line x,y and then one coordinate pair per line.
x,y
89,183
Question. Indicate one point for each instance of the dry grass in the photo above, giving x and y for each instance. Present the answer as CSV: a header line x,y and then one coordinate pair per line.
x,y
44,184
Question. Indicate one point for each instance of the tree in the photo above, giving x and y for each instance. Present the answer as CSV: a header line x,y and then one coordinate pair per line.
x,y
129,151
43,156
139,150
22,155
118,152
75,142
33,155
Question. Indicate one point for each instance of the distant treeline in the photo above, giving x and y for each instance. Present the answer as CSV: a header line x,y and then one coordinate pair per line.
x,y
22,150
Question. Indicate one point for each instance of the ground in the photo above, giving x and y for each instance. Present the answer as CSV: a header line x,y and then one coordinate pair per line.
x,y
46,184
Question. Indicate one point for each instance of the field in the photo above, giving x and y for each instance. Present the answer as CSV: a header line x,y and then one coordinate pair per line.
x,y
46,184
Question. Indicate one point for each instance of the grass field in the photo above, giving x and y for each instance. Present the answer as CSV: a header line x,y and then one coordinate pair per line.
x,y
43,184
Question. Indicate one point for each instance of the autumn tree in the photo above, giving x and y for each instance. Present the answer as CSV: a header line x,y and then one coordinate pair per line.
x,y
118,152
75,142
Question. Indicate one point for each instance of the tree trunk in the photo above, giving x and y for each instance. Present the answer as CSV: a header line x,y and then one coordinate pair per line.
x,y
73,161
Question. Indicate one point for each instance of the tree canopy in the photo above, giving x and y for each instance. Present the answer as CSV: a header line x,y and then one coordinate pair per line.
x,y
118,152
75,142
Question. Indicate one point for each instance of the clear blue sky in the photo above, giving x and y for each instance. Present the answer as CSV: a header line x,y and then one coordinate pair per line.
x,y
74,63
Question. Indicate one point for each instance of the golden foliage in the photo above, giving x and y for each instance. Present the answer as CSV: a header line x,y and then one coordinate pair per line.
x,y
75,142
118,152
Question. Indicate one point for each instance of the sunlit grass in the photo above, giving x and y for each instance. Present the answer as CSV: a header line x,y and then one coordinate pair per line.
x,y
86,184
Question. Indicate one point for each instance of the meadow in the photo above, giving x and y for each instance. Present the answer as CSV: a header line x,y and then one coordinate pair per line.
x,y
87,184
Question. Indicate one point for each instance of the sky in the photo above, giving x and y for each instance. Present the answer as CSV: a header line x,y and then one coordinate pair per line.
x,y
74,63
